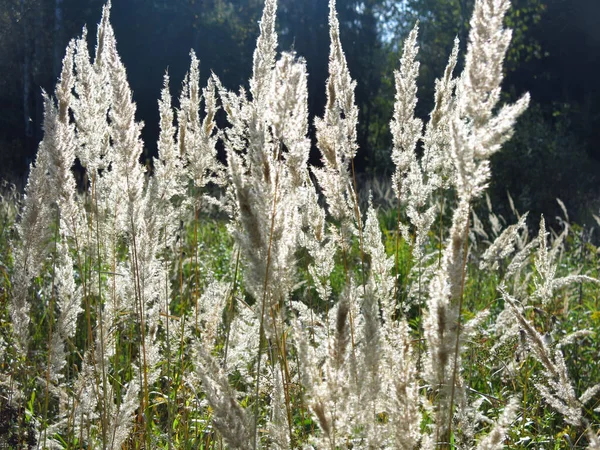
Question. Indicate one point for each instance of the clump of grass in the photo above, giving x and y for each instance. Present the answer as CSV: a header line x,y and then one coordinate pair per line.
x,y
132,318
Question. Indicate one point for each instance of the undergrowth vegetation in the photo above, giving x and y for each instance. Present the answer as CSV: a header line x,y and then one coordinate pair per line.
x,y
263,303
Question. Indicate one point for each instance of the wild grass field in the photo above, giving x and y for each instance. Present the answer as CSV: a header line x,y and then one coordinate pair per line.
x,y
262,303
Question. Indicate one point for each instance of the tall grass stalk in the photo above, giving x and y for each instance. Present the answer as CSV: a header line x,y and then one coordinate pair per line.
x,y
292,322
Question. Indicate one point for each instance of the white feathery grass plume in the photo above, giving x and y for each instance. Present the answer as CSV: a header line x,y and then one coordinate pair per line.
x,y
440,329
564,220
136,221
545,280
321,269
321,241
94,403
186,152
197,138
381,265
496,222
31,250
267,150
415,181
288,115
63,150
557,390
477,230
267,181
333,385
62,147
243,334
264,54
469,417
370,373
60,144
211,305
168,162
405,127
276,164
377,296
515,269
83,412
476,135
503,245
334,368
321,245
476,132
401,395
514,279
127,173
336,133
163,192
314,378
167,182
341,110
85,399
494,440
545,268
594,439
589,394
278,426
110,150
50,195
69,305
313,218
229,417
122,415
92,100
436,163
386,369
420,210
268,224
189,109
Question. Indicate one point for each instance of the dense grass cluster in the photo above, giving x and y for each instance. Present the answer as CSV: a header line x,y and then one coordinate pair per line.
x,y
263,303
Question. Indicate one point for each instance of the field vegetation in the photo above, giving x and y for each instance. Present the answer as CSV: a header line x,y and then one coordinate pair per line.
x,y
259,302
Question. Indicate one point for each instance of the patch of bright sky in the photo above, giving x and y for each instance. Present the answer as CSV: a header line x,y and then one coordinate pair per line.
x,y
393,20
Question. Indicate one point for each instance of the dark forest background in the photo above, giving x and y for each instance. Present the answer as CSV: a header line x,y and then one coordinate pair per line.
x,y
555,55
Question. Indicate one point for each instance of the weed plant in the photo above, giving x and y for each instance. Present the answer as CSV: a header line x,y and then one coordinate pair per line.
x,y
303,317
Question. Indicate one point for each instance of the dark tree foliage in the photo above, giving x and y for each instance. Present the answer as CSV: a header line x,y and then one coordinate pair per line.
x,y
545,160
555,55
